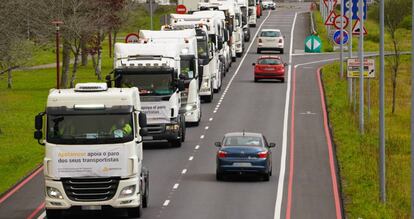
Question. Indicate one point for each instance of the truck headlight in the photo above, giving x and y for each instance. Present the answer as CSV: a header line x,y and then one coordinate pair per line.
x,y
190,107
127,191
54,193
206,83
173,127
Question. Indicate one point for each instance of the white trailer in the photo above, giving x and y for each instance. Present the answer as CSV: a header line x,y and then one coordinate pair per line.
x,y
189,71
154,68
233,20
93,150
252,13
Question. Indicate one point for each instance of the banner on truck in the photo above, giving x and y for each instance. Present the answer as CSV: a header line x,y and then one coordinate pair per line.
x,y
89,161
157,112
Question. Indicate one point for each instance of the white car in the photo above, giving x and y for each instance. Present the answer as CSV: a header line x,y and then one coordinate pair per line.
x,y
269,4
270,39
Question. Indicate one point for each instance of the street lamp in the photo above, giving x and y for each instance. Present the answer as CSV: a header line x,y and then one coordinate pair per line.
x,y
57,23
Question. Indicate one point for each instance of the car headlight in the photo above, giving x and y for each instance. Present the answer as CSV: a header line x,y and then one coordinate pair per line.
x,y
54,193
173,127
127,191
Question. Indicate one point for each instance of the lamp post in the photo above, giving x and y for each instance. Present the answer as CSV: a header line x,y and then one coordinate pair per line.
x,y
57,23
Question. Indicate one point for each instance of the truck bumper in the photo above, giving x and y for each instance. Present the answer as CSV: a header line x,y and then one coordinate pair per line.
x,y
65,202
160,132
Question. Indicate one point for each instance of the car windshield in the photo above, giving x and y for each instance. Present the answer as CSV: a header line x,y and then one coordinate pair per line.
x,y
243,141
89,129
270,61
149,84
270,34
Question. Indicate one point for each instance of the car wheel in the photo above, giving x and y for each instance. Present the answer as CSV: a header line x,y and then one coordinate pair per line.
x,y
282,80
266,177
219,176
281,51
53,213
256,80
259,51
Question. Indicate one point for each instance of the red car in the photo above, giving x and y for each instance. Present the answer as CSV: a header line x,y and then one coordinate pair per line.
x,y
269,67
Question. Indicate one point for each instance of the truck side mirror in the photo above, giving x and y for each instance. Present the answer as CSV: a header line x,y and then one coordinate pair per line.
x,y
108,81
181,85
142,119
220,42
38,135
39,122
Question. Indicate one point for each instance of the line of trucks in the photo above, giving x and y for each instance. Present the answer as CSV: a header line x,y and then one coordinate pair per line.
x,y
94,133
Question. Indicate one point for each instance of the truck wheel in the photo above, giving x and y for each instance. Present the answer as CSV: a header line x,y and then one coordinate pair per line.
x,y
53,213
135,212
145,200
239,54
183,130
208,99
233,59
176,143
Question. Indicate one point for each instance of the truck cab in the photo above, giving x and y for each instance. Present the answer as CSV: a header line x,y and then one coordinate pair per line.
x,y
155,69
189,69
93,150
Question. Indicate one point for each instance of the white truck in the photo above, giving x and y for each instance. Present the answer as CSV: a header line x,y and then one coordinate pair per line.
x,y
217,23
190,98
233,20
155,69
252,13
93,150
209,57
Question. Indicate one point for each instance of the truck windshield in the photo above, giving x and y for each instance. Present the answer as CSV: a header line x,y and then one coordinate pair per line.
x,y
149,84
252,2
202,47
187,68
89,129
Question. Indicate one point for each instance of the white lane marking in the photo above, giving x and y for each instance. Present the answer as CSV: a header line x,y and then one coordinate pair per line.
x,y
197,147
166,203
175,187
184,171
202,136
279,197
191,158
42,216
211,119
206,128
214,111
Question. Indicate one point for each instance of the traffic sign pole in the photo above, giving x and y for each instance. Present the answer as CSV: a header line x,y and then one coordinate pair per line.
x,y
342,41
412,113
151,15
361,68
382,107
350,80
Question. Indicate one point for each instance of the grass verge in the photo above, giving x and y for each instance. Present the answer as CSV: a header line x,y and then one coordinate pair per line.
x,y
358,154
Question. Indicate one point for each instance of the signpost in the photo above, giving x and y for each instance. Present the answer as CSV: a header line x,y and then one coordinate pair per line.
x,y
337,37
181,9
354,8
313,44
132,38
353,66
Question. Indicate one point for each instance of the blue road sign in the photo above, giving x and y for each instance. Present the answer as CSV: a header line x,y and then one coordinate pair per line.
x,y
337,37
355,9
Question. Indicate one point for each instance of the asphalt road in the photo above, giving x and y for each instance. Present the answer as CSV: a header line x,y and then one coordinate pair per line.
x,y
183,183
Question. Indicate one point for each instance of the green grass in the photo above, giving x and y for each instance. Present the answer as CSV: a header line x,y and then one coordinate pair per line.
x,y
358,155
20,152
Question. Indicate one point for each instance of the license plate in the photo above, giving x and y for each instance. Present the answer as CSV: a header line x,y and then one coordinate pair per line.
x,y
91,208
269,69
242,164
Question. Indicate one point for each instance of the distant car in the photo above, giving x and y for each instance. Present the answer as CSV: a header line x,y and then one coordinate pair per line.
x,y
243,152
269,4
269,67
270,39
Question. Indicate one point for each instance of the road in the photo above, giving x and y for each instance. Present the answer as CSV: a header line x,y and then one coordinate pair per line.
x,y
291,114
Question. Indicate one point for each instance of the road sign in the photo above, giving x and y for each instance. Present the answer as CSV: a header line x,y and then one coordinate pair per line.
x,y
313,44
337,37
132,38
353,68
330,19
181,9
337,21
356,28
355,9
151,7
333,2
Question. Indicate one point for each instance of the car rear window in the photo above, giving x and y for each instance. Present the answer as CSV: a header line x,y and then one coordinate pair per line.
x,y
243,141
269,61
270,34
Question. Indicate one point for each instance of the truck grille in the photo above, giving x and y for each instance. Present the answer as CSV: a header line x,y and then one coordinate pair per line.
x,y
155,129
90,189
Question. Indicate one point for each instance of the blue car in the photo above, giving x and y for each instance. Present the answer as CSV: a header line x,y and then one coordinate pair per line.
x,y
243,152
